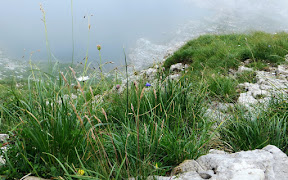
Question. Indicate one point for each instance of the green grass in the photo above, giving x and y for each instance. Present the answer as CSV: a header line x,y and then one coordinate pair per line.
x,y
58,125
227,51
212,56
223,88
257,130
246,76
164,124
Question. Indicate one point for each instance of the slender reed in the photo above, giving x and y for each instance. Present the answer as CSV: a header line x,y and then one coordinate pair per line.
x,y
127,83
88,42
72,34
46,36
100,65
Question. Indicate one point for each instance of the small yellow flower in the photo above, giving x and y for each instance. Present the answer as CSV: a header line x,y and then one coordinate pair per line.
x,y
81,172
156,166
99,47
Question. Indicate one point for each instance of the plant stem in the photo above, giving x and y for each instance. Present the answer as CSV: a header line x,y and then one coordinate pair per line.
x,y
86,57
72,34
46,37
126,68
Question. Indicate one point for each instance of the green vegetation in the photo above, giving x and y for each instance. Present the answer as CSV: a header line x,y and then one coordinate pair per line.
x,y
246,76
90,129
221,52
267,126
163,124
212,56
222,88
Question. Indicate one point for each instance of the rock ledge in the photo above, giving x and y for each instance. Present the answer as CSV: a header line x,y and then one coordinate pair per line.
x,y
269,163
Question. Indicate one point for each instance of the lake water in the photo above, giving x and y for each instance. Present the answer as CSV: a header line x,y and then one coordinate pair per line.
x,y
146,29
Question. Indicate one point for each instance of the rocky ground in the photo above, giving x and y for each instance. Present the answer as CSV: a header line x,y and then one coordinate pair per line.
x,y
11,68
269,163
269,83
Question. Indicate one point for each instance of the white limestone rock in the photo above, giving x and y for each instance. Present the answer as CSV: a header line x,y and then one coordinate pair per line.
x,y
243,68
178,67
282,69
268,84
269,163
264,87
174,76
271,81
4,137
286,57
260,94
246,99
265,101
149,73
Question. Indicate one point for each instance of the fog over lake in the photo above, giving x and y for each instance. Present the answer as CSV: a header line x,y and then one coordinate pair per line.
x,y
147,29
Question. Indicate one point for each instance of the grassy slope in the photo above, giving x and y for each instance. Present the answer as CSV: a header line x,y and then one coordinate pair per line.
x,y
211,57
221,52
163,125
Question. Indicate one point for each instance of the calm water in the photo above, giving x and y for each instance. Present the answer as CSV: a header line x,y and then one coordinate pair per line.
x,y
147,29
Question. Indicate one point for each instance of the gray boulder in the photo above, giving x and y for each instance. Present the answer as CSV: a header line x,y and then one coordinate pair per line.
x,y
269,163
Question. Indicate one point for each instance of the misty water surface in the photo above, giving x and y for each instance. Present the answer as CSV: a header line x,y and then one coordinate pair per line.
x,y
147,29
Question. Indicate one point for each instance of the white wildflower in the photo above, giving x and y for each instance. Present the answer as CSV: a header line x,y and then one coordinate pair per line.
x,y
66,96
73,96
83,78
